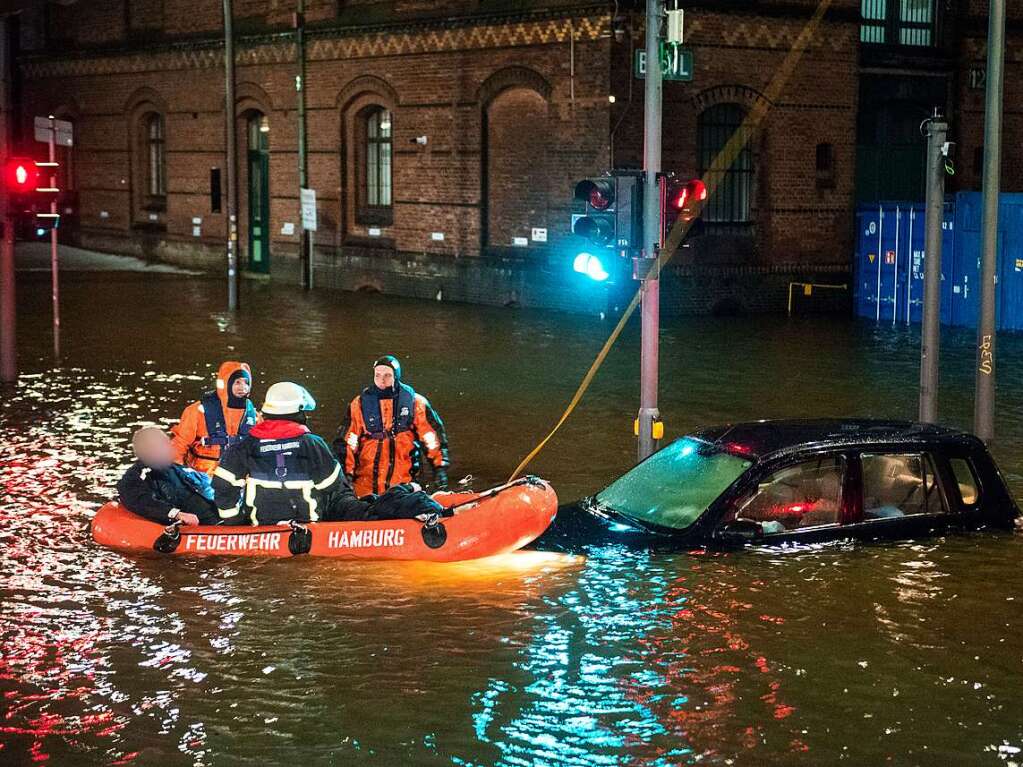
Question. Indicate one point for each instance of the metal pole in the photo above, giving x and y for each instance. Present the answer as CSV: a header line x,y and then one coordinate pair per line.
x,y
54,272
651,287
303,162
232,159
930,335
984,402
8,354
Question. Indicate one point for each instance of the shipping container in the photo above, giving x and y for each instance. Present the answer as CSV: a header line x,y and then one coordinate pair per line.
x,y
890,261
889,264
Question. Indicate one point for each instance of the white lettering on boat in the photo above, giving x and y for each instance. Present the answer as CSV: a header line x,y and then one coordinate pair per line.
x,y
360,539
225,543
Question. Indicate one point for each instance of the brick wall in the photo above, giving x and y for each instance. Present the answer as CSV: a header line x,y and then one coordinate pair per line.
x,y
513,113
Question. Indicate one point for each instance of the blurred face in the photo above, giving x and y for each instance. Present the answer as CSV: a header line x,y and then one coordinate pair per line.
x,y
241,388
153,448
383,377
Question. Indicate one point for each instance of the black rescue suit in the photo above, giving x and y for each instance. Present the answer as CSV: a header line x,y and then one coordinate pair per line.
x,y
282,472
154,493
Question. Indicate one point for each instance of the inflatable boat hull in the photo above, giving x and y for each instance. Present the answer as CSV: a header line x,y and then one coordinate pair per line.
x,y
485,524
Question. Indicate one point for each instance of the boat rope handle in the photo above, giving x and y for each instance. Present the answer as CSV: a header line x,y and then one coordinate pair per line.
x,y
712,178
527,480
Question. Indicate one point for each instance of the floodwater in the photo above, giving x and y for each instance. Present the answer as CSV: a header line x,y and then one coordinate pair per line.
x,y
869,655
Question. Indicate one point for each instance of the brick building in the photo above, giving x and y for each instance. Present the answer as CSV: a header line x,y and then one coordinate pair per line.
x,y
445,137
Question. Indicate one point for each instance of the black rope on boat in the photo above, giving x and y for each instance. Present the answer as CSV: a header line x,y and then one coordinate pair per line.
x,y
169,539
301,539
531,480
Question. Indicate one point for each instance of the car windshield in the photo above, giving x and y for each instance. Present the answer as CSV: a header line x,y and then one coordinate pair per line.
x,y
674,486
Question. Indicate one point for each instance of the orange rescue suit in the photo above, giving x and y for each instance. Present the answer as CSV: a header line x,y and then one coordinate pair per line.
x,y
387,451
193,444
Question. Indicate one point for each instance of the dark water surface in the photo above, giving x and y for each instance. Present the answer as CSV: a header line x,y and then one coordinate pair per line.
x,y
909,654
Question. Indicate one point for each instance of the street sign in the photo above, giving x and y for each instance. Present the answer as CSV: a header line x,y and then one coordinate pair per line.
x,y
45,127
308,197
676,63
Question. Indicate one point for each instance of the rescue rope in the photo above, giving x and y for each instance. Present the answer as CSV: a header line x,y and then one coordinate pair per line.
x,y
712,178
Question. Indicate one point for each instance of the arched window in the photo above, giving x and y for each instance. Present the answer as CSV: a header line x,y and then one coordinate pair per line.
x,y
156,168
731,201
374,164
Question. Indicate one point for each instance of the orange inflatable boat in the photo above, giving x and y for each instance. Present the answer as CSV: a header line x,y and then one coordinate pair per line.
x,y
484,524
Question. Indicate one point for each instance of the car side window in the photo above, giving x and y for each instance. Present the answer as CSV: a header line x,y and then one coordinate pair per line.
x,y
899,486
805,495
969,489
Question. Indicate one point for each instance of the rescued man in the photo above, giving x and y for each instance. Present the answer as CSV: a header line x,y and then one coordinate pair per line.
x,y
218,419
157,488
387,431
281,471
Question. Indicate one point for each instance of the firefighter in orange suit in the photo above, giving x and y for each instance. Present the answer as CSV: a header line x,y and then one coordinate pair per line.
x,y
387,433
218,419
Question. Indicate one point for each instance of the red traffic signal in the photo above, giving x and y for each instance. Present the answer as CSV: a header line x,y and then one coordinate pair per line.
x,y
21,176
682,198
598,193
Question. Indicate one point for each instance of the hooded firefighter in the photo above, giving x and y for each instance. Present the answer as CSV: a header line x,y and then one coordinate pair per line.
x,y
388,432
219,418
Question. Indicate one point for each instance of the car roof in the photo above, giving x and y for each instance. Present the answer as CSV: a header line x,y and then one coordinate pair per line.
x,y
764,438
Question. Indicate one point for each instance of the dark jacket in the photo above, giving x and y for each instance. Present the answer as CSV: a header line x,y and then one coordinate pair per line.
x,y
282,472
153,493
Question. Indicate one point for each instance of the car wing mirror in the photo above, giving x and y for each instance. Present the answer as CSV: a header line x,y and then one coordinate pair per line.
x,y
740,532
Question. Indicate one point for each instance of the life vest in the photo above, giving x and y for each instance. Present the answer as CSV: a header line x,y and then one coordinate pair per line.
x,y
216,423
404,412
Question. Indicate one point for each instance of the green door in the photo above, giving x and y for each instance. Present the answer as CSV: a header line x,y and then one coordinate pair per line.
x,y
259,194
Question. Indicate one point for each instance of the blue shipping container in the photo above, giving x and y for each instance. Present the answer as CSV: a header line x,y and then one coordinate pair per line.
x,y
889,263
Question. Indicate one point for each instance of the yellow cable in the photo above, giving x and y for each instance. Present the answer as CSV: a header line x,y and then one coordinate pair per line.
x,y
722,162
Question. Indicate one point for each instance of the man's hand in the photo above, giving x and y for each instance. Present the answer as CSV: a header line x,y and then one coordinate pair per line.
x,y
188,520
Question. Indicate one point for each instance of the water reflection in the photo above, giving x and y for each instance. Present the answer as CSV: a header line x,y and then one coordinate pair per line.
x,y
868,655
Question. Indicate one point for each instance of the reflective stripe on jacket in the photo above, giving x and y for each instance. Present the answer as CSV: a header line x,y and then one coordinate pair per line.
x,y
278,473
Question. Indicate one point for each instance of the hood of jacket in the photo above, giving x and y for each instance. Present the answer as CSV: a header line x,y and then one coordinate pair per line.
x,y
278,430
224,374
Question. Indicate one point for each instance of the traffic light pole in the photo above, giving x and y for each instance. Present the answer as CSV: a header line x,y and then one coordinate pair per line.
x,y
984,402
930,335
8,354
651,287
54,272
232,159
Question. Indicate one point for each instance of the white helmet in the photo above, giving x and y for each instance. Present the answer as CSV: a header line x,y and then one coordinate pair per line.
x,y
287,398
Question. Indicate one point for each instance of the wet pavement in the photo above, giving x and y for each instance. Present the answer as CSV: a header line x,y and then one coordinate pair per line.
x,y
907,654
35,256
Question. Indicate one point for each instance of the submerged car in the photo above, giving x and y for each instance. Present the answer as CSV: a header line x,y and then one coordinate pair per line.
x,y
778,482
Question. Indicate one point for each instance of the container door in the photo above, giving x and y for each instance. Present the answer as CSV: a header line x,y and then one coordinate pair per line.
x,y
966,264
1010,282
867,264
888,265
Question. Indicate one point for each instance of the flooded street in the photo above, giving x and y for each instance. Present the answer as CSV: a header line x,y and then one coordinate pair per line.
x,y
904,655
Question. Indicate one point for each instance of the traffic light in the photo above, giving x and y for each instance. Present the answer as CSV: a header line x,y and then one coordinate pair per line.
x,y
609,223
32,192
681,200
21,176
